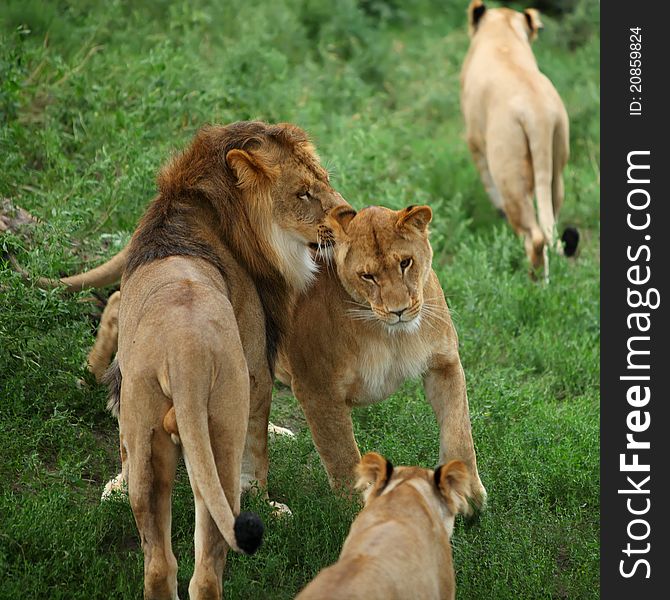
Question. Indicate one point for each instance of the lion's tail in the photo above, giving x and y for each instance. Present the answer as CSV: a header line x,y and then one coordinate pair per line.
x,y
243,533
549,152
541,151
101,276
570,237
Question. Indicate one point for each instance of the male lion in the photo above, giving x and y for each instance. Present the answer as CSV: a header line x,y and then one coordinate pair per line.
x,y
398,546
359,333
517,126
205,297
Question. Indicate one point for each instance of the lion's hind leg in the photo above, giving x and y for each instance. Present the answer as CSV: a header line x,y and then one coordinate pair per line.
x,y
106,340
512,170
485,174
150,464
210,554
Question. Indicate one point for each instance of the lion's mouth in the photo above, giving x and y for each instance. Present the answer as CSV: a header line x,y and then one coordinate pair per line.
x,y
321,251
401,326
323,244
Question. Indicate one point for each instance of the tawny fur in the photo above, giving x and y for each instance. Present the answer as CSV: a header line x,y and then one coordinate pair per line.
x,y
204,299
516,125
339,353
348,347
399,545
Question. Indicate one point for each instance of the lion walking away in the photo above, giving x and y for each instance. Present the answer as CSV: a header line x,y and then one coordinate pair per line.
x,y
517,128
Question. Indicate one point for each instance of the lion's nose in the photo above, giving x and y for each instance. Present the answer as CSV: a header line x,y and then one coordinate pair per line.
x,y
398,312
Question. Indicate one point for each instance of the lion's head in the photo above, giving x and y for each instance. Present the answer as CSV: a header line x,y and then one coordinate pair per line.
x,y
526,24
450,484
383,260
283,169
269,189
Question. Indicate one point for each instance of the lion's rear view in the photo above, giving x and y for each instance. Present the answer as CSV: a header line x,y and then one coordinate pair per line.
x,y
517,127
204,303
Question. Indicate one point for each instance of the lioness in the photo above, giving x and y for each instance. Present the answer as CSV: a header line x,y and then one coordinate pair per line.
x,y
516,126
398,546
359,333
205,297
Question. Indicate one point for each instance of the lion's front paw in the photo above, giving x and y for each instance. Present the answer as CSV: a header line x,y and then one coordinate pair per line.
x,y
478,502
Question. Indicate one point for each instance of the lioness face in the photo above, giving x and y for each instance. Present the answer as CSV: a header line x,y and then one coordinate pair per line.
x,y
383,260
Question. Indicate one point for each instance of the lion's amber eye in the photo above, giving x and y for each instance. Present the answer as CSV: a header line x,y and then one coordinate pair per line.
x,y
304,195
405,264
368,277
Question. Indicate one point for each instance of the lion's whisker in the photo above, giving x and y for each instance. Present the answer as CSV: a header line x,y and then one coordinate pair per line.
x,y
431,325
354,302
432,314
361,315
358,314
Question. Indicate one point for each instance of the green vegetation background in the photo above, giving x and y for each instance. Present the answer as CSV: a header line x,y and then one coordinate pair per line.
x,y
95,96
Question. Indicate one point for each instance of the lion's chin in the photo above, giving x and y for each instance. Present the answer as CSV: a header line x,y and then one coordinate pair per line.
x,y
404,326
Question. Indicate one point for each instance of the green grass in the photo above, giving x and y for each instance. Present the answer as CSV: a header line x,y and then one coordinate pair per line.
x,y
95,96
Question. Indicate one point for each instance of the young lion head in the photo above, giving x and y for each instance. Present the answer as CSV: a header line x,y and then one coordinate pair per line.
x,y
450,484
383,260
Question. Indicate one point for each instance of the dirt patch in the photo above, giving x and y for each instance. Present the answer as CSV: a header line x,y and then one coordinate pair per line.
x,y
562,566
14,219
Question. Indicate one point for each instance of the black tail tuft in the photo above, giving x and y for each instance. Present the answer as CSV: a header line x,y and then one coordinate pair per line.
x,y
112,379
249,532
570,239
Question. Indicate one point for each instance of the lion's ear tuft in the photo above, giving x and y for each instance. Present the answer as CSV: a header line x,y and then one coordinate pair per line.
x,y
374,472
339,218
476,11
533,21
417,217
454,483
249,167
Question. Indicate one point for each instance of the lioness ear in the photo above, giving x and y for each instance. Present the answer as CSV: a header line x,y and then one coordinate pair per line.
x,y
415,216
533,21
250,168
453,480
476,11
339,218
374,472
